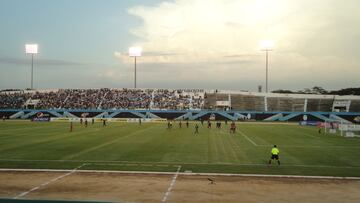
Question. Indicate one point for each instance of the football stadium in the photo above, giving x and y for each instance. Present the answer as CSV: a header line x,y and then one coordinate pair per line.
x,y
189,112
151,133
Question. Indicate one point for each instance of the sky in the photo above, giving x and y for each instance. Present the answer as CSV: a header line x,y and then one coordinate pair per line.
x,y
209,44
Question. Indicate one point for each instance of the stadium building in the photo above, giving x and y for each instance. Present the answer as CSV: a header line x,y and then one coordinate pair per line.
x,y
180,104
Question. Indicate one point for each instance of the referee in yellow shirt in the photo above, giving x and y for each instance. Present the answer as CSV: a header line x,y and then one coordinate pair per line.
x,y
275,154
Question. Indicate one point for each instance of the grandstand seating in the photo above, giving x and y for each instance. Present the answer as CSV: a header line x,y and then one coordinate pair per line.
x,y
165,99
355,106
14,100
247,102
211,98
279,104
298,104
319,105
50,100
285,104
126,99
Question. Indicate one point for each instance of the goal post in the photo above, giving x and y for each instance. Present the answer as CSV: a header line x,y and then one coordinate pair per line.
x,y
331,126
349,130
346,129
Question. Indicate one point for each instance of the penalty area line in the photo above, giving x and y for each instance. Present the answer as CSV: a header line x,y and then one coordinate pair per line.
x,y
168,192
48,182
248,139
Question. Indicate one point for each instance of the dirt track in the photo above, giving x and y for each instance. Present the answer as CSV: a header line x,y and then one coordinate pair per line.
x,y
116,187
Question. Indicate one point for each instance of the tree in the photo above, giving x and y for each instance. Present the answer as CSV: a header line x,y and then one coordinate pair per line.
x,y
283,91
314,90
318,90
305,91
346,91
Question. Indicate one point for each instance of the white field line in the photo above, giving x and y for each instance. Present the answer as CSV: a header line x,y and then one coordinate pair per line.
x,y
132,164
186,174
106,143
311,146
168,192
48,182
246,137
268,123
295,146
319,146
292,146
175,164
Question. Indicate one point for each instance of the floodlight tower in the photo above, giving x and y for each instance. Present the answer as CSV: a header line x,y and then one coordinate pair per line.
x,y
135,52
31,49
267,45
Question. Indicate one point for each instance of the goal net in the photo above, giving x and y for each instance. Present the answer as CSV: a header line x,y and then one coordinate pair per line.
x,y
349,130
331,127
342,128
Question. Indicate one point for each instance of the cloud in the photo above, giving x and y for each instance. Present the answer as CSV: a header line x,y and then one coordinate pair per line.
x,y
215,37
44,62
176,58
206,30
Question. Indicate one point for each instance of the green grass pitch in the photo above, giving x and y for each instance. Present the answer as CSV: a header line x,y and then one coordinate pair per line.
x,y
152,147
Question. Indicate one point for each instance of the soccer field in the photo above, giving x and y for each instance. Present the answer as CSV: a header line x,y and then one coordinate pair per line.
x,y
152,147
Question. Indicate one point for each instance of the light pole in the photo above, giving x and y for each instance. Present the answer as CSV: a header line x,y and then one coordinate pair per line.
x,y
267,45
135,52
31,49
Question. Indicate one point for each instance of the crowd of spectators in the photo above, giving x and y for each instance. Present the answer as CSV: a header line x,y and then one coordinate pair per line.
x,y
165,99
197,102
177,100
127,99
84,98
13,100
49,100
102,99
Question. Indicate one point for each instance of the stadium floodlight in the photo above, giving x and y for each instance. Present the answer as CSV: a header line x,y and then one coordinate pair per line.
x,y
31,49
135,52
267,45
